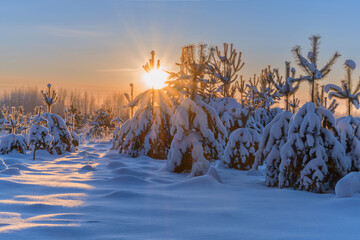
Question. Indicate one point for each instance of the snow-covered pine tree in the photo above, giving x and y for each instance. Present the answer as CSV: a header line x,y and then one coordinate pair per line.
x,y
118,121
241,88
312,159
242,146
310,65
263,95
348,126
321,99
294,104
49,98
273,138
39,137
148,132
346,91
198,133
13,141
100,122
224,67
349,134
62,140
231,113
284,88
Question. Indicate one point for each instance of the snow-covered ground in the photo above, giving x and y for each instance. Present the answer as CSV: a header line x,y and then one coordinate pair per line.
x,y
57,198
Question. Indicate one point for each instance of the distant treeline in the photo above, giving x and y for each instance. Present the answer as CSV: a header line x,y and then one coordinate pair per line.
x,y
86,102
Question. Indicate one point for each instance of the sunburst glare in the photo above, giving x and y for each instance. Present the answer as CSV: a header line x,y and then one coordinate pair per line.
x,y
155,78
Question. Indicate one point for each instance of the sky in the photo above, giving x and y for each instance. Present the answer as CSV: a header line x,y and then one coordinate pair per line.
x,y
101,45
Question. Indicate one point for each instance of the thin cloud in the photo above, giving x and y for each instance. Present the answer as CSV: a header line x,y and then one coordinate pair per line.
x,y
70,32
117,70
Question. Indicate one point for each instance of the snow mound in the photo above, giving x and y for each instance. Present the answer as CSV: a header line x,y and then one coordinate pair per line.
x,y
214,174
253,172
348,185
88,167
116,164
123,194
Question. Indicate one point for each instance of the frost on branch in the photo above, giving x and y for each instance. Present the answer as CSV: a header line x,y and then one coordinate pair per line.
x,y
312,159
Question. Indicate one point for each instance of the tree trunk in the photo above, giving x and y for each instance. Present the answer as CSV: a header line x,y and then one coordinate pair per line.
x,y
313,91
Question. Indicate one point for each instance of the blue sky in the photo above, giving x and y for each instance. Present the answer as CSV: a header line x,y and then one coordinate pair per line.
x,y
102,44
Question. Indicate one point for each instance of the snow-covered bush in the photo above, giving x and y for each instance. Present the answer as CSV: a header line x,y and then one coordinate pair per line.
x,y
199,137
348,185
312,159
241,148
12,142
39,138
62,138
272,140
148,132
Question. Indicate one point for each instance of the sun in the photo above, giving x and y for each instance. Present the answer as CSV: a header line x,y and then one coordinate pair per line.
x,y
155,78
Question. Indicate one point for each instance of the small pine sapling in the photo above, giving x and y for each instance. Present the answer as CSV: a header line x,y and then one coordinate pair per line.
x,y
224,67
310,65
49,98
39,137
198,133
